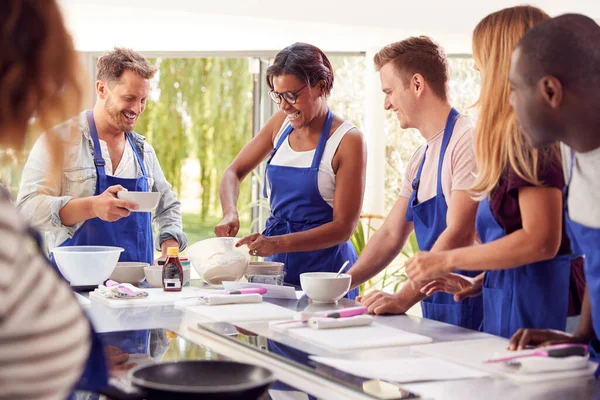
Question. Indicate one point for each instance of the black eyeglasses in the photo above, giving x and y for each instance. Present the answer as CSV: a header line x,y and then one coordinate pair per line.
x,y
289,97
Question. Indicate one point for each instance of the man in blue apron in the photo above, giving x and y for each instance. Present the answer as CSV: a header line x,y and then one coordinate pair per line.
x,y
103,156
555,76
434,199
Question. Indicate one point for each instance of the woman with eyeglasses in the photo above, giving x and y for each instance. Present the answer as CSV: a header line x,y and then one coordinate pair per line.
x,y
315,175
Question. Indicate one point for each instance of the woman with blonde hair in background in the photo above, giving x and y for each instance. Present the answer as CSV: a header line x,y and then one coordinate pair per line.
x,y
525,251
45,341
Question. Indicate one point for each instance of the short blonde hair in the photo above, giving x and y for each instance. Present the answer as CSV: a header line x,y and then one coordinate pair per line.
x,y
417,55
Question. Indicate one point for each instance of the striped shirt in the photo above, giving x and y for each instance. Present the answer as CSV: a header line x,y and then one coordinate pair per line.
x,y
44,334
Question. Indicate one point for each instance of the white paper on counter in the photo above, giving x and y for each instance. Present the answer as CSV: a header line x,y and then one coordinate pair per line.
x,y
359,337
402,370
239,312
473,354
273,291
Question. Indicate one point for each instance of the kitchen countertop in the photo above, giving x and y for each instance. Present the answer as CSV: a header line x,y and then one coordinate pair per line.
x,y
253,343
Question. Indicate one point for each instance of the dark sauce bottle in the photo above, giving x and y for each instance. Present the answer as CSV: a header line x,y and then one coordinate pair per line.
x,y
172,271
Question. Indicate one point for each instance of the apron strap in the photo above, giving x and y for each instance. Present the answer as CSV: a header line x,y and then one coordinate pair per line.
x,y
137,155
318,152
450,122
99,162
323,140
282,138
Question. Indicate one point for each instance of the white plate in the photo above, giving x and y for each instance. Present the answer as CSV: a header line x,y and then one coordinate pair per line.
x,y
147,201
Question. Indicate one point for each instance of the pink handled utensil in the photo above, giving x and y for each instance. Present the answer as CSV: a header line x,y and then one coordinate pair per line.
x,y
232,292
248,291
343,313
556,351
346,312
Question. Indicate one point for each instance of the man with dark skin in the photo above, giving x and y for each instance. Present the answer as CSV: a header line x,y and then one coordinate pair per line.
x,y
555,81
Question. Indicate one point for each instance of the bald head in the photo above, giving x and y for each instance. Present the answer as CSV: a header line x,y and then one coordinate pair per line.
x,y
566,47
555,81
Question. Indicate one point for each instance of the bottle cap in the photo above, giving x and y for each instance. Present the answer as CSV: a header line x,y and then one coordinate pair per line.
x,y
172,251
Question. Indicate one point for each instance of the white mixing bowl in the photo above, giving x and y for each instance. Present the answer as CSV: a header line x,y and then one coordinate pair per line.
x,y
86,265
217,259
128,272
324,287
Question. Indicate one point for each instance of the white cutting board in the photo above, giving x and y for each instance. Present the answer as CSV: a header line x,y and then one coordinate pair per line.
x,y
156,296
472,353
359,337
240,312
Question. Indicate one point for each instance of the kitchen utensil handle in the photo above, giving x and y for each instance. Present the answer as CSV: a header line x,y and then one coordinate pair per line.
x,y
249,291
568,351
347,312
511,358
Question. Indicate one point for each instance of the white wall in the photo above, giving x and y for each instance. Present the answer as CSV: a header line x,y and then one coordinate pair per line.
x,y
242,25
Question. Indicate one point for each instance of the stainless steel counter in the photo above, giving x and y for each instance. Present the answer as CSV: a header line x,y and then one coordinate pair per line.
x,y
251,342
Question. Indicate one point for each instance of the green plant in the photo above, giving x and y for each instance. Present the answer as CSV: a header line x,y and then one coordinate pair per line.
x,y
393,275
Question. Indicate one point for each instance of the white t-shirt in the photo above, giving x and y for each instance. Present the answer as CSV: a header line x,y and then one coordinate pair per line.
x,y
286,156
128,165
584,190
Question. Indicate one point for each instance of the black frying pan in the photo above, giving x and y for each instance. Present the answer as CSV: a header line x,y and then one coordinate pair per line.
x,y
207,380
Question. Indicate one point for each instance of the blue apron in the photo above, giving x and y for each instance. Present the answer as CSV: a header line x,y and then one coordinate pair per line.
x,y
429,218
133,233
586,240
297,206
534,296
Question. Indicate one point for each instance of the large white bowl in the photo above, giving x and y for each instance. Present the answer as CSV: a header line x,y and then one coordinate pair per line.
x,y
153,275
215,261
128,272
324,287
86,265
147,201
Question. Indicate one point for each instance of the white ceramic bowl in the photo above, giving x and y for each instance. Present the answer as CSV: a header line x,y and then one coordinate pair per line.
x,y
147,201
128,272
153,275
86,265
217,259
324,287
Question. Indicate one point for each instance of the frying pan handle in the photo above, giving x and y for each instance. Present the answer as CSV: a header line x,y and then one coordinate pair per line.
x,y
116,391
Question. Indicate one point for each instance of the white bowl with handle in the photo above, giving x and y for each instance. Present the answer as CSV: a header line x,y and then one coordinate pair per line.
x,y
86,265
146,201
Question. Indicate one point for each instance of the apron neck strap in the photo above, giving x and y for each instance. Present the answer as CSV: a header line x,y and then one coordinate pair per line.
x,y
137,154
98,160
448,129
323,140
450,123
282,139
